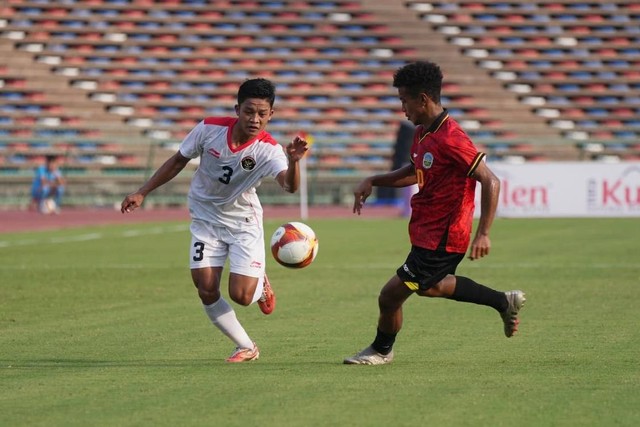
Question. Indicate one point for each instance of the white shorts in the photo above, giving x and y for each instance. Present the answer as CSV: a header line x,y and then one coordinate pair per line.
x,y
212,245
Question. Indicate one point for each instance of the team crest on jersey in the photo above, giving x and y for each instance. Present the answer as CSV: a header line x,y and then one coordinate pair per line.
x,y
248,163
427,160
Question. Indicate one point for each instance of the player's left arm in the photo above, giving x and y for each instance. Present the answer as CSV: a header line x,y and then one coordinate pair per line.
x,y
490,191
289,179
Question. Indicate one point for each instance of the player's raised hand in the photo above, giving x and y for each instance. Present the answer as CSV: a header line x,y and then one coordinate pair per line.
x,y
297,148
360,194
131,202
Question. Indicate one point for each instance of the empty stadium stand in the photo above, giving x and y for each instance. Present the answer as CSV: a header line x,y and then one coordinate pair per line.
x,y
571,63
114,85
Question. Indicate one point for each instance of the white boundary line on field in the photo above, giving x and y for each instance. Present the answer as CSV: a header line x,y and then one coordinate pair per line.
x,y
376,267
4,244
65,267
525,265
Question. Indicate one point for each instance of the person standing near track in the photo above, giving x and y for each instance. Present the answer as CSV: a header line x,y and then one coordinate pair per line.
x,y
226,214
48,186
445,165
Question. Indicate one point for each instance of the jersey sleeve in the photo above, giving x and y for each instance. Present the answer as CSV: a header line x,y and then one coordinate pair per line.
x,y
191,146
476,161
464,152
279,161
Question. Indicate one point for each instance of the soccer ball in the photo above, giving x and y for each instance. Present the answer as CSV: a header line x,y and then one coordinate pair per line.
x,y
294,245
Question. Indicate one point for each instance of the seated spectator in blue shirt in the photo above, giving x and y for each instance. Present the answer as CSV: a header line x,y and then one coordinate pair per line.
x,y
48,187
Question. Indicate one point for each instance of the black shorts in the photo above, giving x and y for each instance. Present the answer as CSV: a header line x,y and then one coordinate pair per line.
x,y
424,267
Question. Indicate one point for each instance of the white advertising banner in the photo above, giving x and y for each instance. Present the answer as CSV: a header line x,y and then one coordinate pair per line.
x,y
567,189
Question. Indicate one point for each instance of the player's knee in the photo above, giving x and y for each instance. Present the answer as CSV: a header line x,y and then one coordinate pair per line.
x,y
432,292
387,302
442,289
208,296
241,297
393,295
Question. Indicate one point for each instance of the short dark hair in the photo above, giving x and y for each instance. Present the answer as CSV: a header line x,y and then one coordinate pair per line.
x,y
420,77
257,88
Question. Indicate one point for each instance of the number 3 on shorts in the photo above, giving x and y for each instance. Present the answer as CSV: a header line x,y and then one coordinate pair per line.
x,y
198,255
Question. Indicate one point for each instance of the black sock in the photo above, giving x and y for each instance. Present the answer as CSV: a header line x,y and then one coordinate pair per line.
x,y
469,291
383,342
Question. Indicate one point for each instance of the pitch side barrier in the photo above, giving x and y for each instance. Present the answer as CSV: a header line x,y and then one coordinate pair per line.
x,y
567,189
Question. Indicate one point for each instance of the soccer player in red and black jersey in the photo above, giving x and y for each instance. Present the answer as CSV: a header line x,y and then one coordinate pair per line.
x,y
446,166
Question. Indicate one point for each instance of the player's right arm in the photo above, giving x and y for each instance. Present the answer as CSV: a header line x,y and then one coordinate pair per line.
x,y
402,177
289,179
164,174
490,191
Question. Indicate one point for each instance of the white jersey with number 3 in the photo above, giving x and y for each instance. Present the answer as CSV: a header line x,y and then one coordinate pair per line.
x,y
223,188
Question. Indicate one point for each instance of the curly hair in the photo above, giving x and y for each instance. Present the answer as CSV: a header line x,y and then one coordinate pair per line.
x,y
257,88
420,77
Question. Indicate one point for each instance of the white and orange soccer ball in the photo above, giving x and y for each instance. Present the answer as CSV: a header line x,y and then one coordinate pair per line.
x,y
294,245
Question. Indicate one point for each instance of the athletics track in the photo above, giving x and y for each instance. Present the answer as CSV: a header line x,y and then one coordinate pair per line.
x,y
17,221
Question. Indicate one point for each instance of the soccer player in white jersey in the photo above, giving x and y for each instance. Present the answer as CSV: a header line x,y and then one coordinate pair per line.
x,y
226,215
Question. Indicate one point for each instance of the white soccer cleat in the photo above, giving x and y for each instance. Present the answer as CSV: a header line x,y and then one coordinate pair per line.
x,y
369,356
510,318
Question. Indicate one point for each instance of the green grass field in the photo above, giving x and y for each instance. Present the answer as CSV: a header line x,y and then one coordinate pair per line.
x,y
102,327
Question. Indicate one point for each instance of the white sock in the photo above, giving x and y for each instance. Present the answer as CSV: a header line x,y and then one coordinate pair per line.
x,y
224,318
259,288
